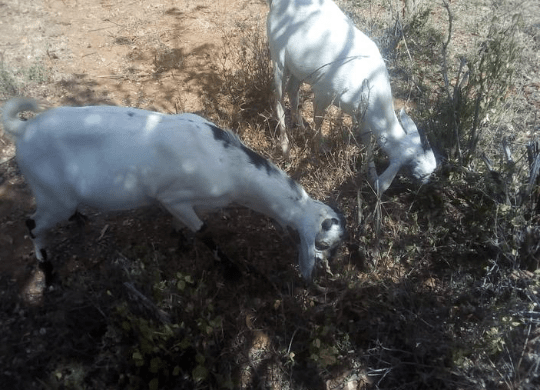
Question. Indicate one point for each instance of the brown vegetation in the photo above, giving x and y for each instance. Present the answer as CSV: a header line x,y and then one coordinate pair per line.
x,y
436,287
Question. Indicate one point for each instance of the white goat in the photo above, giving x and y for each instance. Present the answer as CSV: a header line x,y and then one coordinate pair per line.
x,y
116,158
312,41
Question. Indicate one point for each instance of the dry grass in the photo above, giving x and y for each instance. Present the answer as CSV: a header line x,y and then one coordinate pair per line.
x,y
444,295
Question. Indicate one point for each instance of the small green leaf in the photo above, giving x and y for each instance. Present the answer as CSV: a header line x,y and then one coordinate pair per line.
x,y
200,359
154,384
137,356
155,365
181,285
199,373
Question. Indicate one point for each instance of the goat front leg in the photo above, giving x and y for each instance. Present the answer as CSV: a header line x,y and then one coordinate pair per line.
x,y
187,215
231,269
386,178
293,89
280,81
319,111
381,182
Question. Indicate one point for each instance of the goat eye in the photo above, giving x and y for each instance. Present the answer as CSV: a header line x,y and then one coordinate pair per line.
x,y
328,223
322,246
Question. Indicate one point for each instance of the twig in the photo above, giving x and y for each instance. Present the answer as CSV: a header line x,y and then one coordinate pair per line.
x,y
360,213
487,161
445,48
534,161
447,83
524,347
99,29
507,151
110,76
290,344
6,159
160,314
404,40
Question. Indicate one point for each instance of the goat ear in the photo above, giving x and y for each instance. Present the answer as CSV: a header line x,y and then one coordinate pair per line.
x,y
410,127
407,123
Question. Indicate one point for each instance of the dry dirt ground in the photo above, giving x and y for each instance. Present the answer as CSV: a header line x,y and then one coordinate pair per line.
x,y
100,325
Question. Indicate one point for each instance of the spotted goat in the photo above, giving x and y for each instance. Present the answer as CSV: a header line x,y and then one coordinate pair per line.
x,y
314,42
117,158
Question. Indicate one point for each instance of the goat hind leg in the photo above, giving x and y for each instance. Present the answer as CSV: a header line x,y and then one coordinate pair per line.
x,y
293,89
39,244
319,111
38,226
40,223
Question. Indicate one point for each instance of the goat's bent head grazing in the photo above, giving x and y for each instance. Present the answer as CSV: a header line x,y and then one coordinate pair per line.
x,y
422,166
319,239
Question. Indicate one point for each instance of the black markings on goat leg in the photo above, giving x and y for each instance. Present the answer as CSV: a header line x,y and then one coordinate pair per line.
x,y
185,242
216,251
31,225
232,270
47,269
79,218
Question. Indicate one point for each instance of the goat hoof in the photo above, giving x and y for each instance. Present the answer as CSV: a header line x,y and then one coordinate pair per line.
x,y
231,271
79,218
47,268
184,242
31,225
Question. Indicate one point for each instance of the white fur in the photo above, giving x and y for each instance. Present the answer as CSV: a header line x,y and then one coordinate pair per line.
x,y
312,41
113,158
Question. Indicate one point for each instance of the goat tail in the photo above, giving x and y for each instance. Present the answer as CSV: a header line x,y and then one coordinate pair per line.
x,y
11,122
